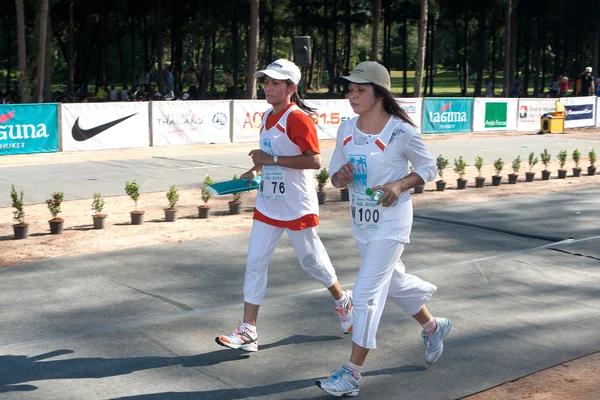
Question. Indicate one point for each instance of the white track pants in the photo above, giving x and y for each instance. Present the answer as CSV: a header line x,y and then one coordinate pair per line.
x,y
382,275
309,249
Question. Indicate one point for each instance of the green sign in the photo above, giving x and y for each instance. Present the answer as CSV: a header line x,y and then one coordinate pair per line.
x,y
495,115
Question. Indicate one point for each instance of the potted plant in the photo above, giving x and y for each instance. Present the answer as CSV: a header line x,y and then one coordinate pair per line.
x,y
479,180
441,164
562,160
460,167
576,156
204,209
418,189
345,195
235,205
98,206
533,160
498,166
21,228
592,166
133,190
322,178
54,202
173,198
516,167
546,157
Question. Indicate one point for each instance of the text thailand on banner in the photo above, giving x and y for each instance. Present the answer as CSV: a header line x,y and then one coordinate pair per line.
x,y
581,111
190,122
28,128
414,109
494,114
99,126
447,115
328,116
531,111
247,119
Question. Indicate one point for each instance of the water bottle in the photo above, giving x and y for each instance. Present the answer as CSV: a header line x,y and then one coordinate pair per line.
x,y
375,196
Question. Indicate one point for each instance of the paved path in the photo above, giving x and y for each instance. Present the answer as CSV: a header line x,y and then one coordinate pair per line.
x,y
140,323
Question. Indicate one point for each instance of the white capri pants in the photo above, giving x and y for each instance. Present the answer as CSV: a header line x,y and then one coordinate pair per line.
x,y
381,275
309,249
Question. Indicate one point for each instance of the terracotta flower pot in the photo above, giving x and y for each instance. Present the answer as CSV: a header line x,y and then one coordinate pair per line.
x,y
512,178
137,217
479,181
99,221
203,211
170,214
529,176
461,183
21,231
57,226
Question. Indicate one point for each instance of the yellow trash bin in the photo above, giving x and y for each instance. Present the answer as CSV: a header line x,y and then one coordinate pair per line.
x,y
554,121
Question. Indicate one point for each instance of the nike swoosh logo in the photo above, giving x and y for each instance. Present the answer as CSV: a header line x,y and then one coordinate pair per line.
x,y
84,134
7,116
276,136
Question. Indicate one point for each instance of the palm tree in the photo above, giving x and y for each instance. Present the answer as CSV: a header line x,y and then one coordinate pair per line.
x,y
421,49
252,49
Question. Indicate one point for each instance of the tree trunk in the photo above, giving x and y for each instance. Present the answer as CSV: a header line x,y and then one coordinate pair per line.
x,y
70,49
348,36
507,43
42,48
133,51
47,89
235,44
22,52
514,35
206,63
252,49
420,49
8,51
536,59
375,32
595,46
465,56
527,72
432,58
494,26
404,53
481,51
543,41
427,57
159,47
120,51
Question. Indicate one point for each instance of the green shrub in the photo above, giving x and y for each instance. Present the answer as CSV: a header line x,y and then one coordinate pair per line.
x,y
98,203
441,164
17,203
498,166
479,164
173,197
133,190
460,167
533,160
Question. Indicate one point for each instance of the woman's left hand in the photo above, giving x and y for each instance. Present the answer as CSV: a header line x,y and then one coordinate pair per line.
x,y
259,157
391,192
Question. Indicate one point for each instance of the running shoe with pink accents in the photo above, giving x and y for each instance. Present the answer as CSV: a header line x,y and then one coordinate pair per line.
x,y
242,338
344,312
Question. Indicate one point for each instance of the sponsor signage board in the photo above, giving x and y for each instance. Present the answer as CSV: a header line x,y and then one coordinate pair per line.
x,y
581,111
100,126
329,115
447,115
494,114
247,119
176,123
28,128
530,113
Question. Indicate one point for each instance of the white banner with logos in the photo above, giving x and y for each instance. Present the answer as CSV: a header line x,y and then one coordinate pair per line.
x,y
581,111
495,114
100,126
414,109
531,111
176,123
328,116
247,119
597,113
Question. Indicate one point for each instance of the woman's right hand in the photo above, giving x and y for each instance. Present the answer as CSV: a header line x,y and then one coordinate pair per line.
x,y
250,175
344,176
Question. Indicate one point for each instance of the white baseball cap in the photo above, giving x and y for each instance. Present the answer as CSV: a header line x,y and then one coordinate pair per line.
x,y
588,69
370,72
281,70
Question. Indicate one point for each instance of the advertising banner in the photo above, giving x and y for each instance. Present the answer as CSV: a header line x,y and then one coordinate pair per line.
x,y
447,115
100,126
581,111
414,109
28,128
176,123
597,113
494,114
328,116
531,111
247,119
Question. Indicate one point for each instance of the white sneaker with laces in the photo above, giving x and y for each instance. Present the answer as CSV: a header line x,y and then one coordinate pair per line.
x,y
434,344
344,312
340,383
241,338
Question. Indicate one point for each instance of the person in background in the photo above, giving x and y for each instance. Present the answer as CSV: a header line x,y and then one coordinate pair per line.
x,y
113,95
286,202
372,154
587,83
124,93
563,84
229,85
101,94
555,86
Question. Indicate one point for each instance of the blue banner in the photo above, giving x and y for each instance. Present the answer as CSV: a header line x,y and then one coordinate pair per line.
x,y
580,111
28,128
447,115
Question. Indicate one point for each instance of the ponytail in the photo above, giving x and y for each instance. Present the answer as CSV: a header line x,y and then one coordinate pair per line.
x,y
296,99
391,106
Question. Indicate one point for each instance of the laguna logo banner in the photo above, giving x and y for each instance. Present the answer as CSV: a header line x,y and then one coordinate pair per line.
x,y
447,115
176,123
581,111
100,126
28,128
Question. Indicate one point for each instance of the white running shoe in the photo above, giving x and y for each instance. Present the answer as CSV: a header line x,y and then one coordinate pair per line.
x,y
344,312
434,344
241,338
340,383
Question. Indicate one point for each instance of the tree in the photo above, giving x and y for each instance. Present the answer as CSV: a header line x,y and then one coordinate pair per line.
x,y
22,51
375,32
252,49
421,49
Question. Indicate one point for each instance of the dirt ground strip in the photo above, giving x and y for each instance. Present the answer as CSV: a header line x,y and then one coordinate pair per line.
x,y
572,380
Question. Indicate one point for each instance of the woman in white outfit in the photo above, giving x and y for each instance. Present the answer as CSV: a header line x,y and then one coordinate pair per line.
x,y
286,201
373,151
